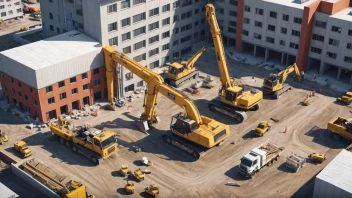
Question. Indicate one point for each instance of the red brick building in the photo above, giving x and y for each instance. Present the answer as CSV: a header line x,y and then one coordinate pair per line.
x,y
51,77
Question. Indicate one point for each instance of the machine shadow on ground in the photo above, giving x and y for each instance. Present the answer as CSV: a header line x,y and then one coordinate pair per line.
x,y
234,174
324,138
307,189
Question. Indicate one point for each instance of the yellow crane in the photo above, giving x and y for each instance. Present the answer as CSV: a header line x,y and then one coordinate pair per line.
x,y
275,83
180,73
189,125
232,96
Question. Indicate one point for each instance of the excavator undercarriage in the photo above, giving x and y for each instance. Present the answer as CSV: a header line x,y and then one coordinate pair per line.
x,y
179,82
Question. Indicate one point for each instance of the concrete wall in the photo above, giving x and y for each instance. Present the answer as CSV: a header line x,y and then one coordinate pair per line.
x,y
33,182
11,9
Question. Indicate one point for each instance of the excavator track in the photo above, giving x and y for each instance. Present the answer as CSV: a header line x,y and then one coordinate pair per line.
x,y
285,88
177,83
186,146
216,106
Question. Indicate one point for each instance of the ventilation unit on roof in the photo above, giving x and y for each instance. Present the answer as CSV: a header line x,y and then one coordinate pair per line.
x,y
300,1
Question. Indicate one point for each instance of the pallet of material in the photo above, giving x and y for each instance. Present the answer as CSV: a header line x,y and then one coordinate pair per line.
x,y
295,162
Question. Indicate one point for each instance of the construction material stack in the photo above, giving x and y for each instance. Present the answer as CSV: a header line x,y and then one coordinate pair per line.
x,y
295,162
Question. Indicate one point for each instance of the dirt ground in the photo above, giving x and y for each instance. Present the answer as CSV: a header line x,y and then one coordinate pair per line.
x,y
179,175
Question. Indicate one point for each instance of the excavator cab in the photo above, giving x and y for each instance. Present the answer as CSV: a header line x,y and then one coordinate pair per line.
x,y
182,124
271,81
232,94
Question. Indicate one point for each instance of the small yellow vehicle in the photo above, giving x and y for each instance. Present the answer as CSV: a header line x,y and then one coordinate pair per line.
x,y
262,128
129,187
317,157
347,98
139,175
124,170
3,137
152,190
22,148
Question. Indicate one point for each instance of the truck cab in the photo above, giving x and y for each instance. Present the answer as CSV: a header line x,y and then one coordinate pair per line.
x,y
252,162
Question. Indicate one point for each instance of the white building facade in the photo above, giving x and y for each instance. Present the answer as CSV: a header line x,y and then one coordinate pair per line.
x,y
10,9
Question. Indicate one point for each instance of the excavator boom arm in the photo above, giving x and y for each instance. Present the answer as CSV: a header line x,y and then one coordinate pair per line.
x,y
194,58
292,68
219,48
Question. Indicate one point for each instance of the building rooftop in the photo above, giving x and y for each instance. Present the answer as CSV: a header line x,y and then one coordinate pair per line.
x,y
6,192
345,14
292,3
53,50
338,172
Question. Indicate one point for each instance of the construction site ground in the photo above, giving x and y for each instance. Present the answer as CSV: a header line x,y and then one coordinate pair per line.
x,y
178,174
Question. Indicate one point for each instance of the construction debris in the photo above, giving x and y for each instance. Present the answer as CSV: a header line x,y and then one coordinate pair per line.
x,y
275,120
295,162
233,184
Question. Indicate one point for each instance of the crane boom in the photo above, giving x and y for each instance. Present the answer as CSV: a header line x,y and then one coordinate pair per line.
x,y
155,84
190,62
218,44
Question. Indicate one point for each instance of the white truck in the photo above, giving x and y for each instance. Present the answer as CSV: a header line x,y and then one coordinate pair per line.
x,y
260,156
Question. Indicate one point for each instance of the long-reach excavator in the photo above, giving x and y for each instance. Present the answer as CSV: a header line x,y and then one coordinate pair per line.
x,y
180,73
275,83
232,95
188,125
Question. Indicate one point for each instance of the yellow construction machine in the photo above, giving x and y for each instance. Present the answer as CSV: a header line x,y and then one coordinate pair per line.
x,y
124,170
139,175
317,157
340,127
262,128
93,143
129,187
3,137
22,148
275,83
346,98
152,190
190,125
180,73
232,95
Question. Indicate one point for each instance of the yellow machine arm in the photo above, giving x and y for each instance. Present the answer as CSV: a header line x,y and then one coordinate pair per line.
x,y
292,68
190,62
219,48
155,84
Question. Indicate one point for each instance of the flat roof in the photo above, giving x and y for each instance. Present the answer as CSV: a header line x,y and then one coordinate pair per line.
x,y
338,172
52,50
291,3
345,14
6,192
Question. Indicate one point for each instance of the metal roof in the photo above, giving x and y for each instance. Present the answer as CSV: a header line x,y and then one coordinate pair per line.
x,y
338,172
53,50
6,192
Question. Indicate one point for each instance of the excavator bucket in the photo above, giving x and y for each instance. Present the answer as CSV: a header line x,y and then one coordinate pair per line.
x,y
142,125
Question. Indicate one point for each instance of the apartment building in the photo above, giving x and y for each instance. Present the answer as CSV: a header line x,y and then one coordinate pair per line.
x,y
54,76
316,34
151,32
10,9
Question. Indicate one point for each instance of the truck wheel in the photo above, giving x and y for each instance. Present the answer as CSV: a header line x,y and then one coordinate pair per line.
x,y
336,136
94,160
68,144
74,148
62,140
253,174
270,163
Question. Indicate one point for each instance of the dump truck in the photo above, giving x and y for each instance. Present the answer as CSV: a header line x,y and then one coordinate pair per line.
x,y
262,128
93,143
22,148
258,157
129,187
346,98
124,170
152,190
315,157
340,127
54,182
139,175
295,162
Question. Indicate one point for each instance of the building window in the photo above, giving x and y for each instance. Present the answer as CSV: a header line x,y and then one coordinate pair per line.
x,y
196,11
51,28
247,8
49,89
259,11
273,14
126,50
154,39
96,71
51,100
175,18
139,45
166,21
166,34
282,43
175,55
140,83
349,45
297,20
336,29
19,93
86,86
19,84
31,90
140,57
258,24
97,82
61,84
296,33
175,43
186,27
126,22
318,37
153,12
234,23
129,76
257,36
246,20
125,4
333,42
74,91
112,27
331,55
165,47
175,31
139,17
166,8
186,38
84,76
153,26
315,50
154,64
51,16
186,15
271,28
135,2
139,31
350,32
320,24
294,45
285,17
245,32
233,13
153,52
284,30
112,8
113,41
126,36
129,88
73,80
176,4
35,102
62,95
348,59
270,39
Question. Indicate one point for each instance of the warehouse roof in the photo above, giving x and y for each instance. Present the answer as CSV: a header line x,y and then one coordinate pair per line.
x,y
6,192
338,172
53,50
49,61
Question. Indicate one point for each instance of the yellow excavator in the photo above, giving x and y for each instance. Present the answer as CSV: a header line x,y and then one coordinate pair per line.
x,y
180,73
275,83
233,97
199,131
